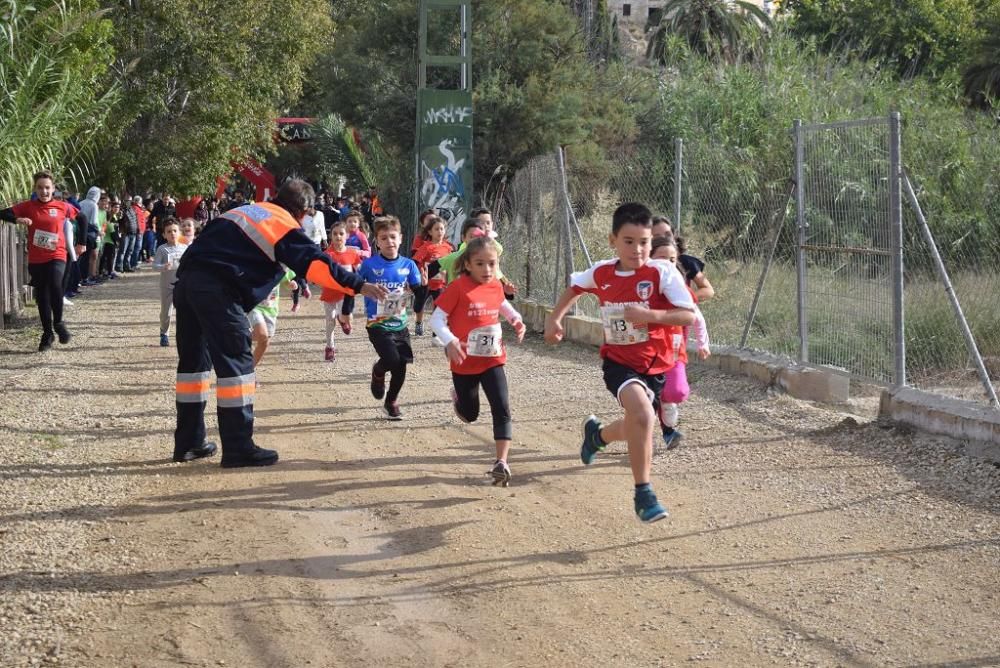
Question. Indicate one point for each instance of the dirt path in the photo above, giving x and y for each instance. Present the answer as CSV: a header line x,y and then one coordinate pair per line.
x,y
797,537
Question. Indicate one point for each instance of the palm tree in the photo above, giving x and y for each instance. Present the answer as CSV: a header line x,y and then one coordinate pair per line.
x,y
719,29
51,107
981,77
342,153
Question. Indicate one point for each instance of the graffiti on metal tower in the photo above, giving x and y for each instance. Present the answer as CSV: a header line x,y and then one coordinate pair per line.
x,y
446,155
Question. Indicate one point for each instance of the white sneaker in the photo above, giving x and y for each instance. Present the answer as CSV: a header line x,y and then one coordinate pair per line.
x,y
669,415
67,302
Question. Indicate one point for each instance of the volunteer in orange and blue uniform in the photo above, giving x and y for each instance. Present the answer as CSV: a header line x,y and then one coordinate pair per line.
x,y
231,267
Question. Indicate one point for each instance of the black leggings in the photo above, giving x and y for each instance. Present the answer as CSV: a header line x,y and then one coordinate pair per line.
x,y
494,382
394,353
108,259
420,295
47,281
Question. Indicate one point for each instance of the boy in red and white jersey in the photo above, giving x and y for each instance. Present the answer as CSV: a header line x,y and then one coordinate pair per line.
x,y
640,300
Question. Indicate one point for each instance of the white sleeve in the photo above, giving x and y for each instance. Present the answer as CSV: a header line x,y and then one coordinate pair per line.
x,y
700,329
509,313
319,220
70,245
439,323
672,286
161,258
584,280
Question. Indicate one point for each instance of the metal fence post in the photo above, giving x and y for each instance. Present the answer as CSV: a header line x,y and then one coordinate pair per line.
x,y
896,232
571,221
800,252
678,177
970,340
775,237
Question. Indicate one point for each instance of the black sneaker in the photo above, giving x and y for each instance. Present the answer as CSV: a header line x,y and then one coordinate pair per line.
x,y
46,342
392,410
671,438
256,457
64,335
206,449
378,385
500,474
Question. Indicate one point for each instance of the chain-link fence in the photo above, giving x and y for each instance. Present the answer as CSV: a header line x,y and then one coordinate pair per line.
x,y
743,220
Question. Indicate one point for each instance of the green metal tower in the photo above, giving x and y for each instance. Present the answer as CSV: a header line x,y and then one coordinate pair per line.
x,y
443,165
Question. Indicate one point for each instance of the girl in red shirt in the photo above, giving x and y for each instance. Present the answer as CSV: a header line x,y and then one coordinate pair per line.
x,y
349,258
675,384
467,321
433,247
419,239
46,219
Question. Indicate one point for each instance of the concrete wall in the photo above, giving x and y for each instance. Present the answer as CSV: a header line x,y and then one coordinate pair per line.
x,y
639,10
976,425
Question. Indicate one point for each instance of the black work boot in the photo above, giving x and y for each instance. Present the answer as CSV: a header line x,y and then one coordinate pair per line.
x,y
255,457
206,449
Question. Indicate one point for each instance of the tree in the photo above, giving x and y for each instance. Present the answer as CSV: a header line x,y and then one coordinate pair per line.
x,y
721,29
916,35
981,78
53,54
207,80
533,85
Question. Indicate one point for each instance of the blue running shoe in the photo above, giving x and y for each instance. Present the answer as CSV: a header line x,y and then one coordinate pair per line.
x,y
164,340
647,508
592,443
672,437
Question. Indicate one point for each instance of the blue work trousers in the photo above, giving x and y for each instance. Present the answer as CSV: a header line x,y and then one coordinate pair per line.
x,y
212,332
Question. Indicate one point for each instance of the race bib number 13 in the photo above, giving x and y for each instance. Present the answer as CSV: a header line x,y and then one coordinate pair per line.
x,y
618,331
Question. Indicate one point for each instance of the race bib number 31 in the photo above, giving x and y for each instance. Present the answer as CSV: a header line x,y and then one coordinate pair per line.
x,y
618,331
46,240
485,341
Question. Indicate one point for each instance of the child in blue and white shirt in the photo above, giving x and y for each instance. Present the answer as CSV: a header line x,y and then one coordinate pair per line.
x,y
387,318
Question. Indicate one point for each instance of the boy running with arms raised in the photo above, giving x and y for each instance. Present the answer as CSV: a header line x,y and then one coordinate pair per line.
x,y
639,301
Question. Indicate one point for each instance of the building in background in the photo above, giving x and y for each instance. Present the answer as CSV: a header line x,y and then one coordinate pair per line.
x,y
637,12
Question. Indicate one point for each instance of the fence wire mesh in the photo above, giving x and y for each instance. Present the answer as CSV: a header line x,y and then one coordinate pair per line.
x,y
531,224
740,219
963,217
733,216
848,247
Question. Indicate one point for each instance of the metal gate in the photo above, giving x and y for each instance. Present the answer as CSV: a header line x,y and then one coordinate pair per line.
x,y
849,250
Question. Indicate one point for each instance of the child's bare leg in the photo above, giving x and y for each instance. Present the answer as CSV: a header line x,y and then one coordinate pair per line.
x,y
260,341
503,448
636,429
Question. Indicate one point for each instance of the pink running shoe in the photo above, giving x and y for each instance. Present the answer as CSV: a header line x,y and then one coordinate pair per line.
x,y
329,354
